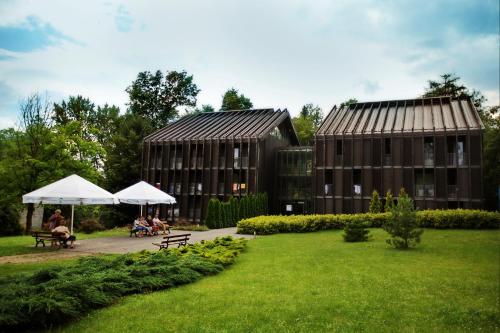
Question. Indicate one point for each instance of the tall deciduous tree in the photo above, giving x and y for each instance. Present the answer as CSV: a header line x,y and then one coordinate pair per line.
x,y
307,122
157,97
231,100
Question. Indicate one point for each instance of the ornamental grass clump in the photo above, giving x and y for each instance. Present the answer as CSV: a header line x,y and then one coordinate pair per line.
x,y
53,296
402,224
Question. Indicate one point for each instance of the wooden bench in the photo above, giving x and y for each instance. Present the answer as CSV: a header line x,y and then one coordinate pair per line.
x,y
45,236
181,240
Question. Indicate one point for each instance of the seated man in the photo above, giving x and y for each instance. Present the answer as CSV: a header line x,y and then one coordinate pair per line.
x,y
55,219
144,226
63,232
161,224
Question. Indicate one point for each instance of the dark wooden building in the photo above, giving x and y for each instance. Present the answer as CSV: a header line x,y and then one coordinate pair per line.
x,y
219,154
432,147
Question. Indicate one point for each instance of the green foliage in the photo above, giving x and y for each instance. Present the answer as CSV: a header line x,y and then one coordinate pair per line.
x,y
212,213
205,108
307,123
227,214
491,159
350,101
355,231
9,219
439,219
389,201
89,226
234,101
156,97
402,224
61,294
375,203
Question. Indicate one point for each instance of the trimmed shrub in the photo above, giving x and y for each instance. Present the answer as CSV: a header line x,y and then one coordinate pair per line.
x,y
227,214
62,294
375,203
402,224
439,219
355,231
89,226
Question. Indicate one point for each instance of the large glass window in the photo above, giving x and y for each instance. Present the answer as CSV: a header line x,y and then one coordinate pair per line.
x,y
428,151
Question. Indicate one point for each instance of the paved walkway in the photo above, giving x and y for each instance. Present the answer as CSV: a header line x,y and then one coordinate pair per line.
x,y
116,245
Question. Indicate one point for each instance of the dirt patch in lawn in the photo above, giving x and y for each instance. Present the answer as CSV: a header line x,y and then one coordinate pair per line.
x,y
40,257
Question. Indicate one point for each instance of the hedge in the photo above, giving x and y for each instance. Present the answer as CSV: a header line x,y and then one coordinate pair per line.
x,y
439,219
61,294
227,214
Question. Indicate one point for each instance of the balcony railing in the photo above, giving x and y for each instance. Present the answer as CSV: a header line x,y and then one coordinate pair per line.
x,y
452,191
424,190
178,188
240,162
192,187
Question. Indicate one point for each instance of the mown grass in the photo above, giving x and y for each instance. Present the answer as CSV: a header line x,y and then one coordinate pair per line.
x,y
13,245
315,282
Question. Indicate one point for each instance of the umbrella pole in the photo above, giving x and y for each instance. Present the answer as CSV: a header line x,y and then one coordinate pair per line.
x,y
72,214
141,210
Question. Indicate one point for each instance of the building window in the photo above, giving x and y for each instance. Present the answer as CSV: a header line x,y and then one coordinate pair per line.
x,y
428,151
356,180
387,151
328,182
424,183
339,147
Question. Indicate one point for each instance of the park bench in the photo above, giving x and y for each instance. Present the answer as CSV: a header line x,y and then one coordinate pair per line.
x,y
175,239
46,236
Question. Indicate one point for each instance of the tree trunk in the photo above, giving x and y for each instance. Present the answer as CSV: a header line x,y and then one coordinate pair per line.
x,y
29,218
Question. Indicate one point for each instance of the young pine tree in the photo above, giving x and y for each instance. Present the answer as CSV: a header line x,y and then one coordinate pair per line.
x,y
402,224
389,201
355,231
375,203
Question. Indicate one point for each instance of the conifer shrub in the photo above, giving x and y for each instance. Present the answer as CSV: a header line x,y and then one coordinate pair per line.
x,y
375,203
389,201
227,214
356,231
402,223
53,296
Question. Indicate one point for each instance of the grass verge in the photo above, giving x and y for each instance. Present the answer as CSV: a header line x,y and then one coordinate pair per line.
x,y
315,282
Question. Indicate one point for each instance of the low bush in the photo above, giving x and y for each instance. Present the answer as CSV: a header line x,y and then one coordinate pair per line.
x,y
191,227
439,219
89,226
356,231
53,296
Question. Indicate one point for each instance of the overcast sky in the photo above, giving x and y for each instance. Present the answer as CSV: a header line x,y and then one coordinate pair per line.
x,y
281,54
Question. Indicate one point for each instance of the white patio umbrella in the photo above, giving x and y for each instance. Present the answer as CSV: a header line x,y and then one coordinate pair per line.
x,y
72,190
143,193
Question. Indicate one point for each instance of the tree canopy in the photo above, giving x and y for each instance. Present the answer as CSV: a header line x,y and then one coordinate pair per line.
x,y
157,97
307,122
231,100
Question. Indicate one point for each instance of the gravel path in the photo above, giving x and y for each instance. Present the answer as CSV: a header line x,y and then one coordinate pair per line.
x,y
118,245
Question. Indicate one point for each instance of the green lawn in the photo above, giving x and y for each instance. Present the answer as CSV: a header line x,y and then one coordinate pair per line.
x,y
13,245
315,282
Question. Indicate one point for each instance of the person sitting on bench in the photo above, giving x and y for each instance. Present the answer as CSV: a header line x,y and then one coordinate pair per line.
x,y
55,219
161,224
63,232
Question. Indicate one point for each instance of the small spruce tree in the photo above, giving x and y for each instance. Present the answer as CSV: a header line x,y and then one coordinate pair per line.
x,y
212,213
355,231
402,224
389,201
375,203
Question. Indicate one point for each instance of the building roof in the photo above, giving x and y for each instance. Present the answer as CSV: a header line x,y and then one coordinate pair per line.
x,y
238,124
434,114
